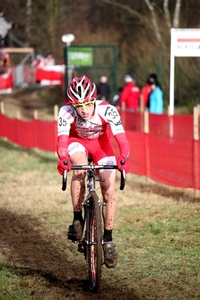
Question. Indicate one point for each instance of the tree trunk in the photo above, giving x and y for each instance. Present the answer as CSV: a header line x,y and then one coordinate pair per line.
x,y
167,13
154,21
177,14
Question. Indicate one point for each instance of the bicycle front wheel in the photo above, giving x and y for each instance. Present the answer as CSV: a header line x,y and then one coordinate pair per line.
x,y
94,246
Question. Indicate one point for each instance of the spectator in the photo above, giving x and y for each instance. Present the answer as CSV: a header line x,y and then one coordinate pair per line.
x,y
4,61
116,97
49,60
5,26
103,89
130,95
156,99
153,77
146,90
39,61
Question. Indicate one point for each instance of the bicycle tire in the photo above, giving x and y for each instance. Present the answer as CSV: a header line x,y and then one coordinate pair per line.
x,y
94,247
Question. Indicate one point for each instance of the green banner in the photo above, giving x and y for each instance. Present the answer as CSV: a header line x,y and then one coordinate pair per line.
x,y
78,56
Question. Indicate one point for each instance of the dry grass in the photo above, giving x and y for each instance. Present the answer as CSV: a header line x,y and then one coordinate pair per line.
x,y
156,232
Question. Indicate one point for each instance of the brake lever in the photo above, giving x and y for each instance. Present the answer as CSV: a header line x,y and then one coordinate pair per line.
x,y
64,178
123,177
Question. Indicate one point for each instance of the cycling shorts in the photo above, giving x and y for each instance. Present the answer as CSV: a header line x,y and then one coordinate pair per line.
x,y
101,150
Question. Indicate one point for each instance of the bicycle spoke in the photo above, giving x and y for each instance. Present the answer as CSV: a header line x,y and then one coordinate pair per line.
x,y
94,253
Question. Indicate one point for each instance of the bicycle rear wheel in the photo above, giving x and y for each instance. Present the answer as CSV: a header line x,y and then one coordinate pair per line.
x,y
94,245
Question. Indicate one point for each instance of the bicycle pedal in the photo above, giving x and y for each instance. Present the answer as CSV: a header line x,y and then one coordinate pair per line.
x,y
74,242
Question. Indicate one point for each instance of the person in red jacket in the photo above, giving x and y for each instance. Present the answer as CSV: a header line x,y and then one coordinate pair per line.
x,y
130,95
146,91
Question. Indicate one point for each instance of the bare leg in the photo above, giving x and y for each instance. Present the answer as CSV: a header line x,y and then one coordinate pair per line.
x,y
78,181
109,197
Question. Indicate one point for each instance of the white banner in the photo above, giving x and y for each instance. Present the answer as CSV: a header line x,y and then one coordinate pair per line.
x,y
186,42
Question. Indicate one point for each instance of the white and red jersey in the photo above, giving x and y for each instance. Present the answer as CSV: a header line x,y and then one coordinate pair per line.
x,y
71,124
72,127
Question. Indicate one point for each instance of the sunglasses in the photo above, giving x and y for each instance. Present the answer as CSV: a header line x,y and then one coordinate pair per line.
x,y
84,104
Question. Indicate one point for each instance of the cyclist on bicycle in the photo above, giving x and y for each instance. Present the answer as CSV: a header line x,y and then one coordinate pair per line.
x,y
83,124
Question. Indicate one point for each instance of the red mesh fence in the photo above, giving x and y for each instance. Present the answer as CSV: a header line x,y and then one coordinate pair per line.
x,y
159,124
174,161
182,126
132,121
196,164
8,128
170,161
34,134
25,133
46,135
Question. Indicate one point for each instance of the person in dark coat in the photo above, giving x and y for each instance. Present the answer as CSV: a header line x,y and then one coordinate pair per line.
x,y
103,89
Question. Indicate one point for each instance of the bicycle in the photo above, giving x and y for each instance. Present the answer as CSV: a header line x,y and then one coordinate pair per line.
x,y
92,241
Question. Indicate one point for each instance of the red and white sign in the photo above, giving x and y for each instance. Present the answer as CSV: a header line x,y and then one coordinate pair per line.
x,y
50,75
185,42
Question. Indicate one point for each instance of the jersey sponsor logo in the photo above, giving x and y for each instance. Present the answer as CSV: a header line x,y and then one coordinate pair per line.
x,y
119,130
112,115
69,114
89,131
80,120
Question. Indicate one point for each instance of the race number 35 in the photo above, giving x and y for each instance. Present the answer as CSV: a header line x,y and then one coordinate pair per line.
x,y
62,122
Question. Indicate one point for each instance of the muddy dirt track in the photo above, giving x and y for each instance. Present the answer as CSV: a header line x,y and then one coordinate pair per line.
x,y
33,249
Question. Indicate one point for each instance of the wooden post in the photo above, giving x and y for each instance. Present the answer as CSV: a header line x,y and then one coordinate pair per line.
x,y
141,114
56,112
35,114
146,121
146,143
3,113
35,117
141,104
196,123
2,107
18,115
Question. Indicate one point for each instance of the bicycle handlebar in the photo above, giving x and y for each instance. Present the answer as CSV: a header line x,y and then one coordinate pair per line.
x,y
94,167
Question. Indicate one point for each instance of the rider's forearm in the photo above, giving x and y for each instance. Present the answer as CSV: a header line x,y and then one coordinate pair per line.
x,y
62,146
123,144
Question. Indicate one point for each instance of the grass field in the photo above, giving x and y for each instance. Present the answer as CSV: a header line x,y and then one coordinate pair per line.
x,y
157,233
157,228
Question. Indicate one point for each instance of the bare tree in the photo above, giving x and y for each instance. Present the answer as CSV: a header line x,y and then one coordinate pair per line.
x,y
154,20
167,13
177,14
126,8
28,25
52,11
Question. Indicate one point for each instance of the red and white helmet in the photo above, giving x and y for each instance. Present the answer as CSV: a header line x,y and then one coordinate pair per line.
x,y
81,90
